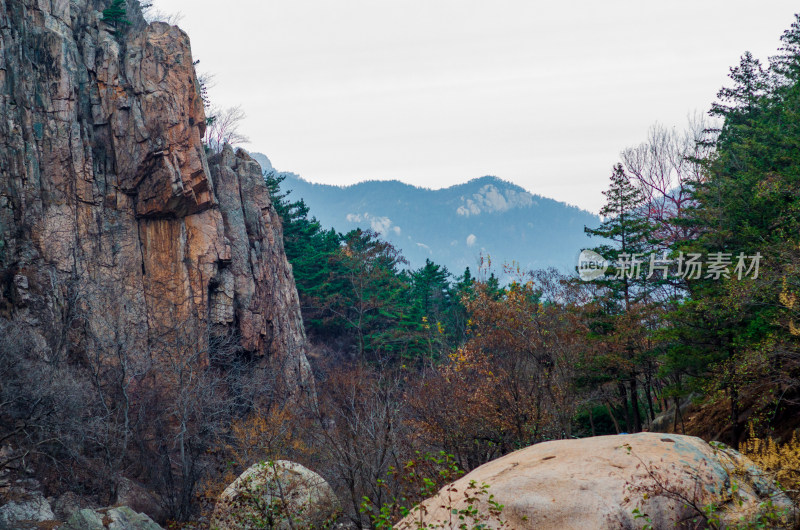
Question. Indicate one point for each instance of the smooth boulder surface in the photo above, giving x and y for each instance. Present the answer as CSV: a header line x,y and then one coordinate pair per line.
x,y
598,483
275,493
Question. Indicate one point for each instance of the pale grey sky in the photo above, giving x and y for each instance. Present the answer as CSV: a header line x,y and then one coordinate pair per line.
x,y
436,92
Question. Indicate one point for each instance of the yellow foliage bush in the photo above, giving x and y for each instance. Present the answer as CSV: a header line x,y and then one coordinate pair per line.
x,y
263,435
781,461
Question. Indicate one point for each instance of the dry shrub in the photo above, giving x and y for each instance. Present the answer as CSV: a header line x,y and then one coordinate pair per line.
x,y
261,436
509,386
781,461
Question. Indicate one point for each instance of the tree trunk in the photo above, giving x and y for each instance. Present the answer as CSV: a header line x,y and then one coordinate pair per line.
x,y
679,414
613,418
648,394
637,416
623,394
675,418
735,423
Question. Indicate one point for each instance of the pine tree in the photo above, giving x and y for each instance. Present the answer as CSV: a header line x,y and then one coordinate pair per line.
x,y
723,334
431,303
461,291
749,87
309,248
465,281
627,233
622,304
366,295
115,15
430,285
786,65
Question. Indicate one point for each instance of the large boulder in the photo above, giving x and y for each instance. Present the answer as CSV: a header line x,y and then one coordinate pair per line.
x,y
278,494
117,518
626,481
24,510
68,503
140,499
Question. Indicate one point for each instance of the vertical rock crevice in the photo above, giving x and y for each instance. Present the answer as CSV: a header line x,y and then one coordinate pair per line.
x,y
105,188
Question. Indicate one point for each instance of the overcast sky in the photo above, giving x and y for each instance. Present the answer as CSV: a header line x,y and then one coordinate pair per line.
x,y
436,92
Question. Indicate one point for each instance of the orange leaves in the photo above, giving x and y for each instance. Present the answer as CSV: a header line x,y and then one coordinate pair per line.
x,y
264,435
510,385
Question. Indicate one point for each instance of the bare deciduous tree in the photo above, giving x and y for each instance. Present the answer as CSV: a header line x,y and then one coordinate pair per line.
x,y
43,402
359,433
664,167
224,127
152,14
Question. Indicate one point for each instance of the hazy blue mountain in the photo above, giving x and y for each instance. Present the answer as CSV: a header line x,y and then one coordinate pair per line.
x,y
453,226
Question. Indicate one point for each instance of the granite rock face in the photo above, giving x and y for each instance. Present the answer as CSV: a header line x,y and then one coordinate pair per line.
x,y
113,225
281,495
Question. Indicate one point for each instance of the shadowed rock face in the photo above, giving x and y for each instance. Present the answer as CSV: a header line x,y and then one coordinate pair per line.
x,y
113,227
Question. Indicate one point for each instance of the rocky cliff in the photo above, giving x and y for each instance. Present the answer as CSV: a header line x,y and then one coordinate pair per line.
x,y
114,226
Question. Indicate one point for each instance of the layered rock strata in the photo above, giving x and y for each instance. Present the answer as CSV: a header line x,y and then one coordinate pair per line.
x,y
114,227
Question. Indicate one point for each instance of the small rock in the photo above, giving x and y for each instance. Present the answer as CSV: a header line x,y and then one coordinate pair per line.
x,y
118,518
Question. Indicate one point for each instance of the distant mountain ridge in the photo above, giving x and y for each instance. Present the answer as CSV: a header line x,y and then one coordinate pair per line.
x,y
453,226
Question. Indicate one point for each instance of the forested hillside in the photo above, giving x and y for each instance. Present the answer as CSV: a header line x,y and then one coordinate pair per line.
x,y
452,226
692,328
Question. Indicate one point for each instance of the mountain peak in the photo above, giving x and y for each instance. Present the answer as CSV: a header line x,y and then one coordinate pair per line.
x,y
495,181
454,226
